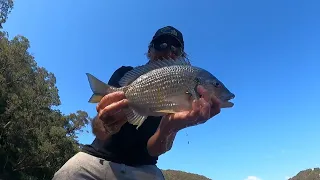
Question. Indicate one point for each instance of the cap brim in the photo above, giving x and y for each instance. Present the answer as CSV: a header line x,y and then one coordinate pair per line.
x,y
167,34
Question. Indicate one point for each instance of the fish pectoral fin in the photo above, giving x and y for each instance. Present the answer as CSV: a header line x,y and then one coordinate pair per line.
x,y
181,102
194,94
134,118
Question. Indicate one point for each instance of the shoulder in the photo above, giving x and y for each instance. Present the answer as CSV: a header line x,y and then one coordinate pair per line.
x,y
118,74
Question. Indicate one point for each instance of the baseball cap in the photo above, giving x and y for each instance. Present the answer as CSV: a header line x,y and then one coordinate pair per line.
x,y
169,31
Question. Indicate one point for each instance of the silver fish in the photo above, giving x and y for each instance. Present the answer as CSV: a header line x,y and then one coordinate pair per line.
x,y
161,87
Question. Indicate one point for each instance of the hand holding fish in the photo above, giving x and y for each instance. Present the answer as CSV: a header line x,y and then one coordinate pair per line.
x,y
109,111
202,110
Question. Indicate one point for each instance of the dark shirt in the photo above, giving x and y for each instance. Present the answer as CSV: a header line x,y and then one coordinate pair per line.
x,y
129,145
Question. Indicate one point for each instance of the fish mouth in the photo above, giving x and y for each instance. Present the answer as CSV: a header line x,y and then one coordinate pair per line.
x,y
226,103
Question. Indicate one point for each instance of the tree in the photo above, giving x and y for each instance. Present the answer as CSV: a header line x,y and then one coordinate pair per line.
x,y
5,9
36,139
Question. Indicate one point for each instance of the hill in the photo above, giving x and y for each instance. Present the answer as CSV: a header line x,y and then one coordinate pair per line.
x,y
308,174
180,175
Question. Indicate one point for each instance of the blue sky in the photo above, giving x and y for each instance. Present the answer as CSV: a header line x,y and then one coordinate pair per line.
x,y
266,52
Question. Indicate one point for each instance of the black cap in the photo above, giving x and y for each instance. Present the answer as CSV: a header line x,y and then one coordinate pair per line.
x,y
171,31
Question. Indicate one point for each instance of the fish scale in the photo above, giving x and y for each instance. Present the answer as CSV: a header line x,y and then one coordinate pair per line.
x,y
153,89
161,87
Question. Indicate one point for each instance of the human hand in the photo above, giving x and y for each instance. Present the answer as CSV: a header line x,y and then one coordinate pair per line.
x,y
110,112
202,110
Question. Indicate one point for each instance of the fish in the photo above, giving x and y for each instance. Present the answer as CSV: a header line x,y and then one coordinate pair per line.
x,y
161,87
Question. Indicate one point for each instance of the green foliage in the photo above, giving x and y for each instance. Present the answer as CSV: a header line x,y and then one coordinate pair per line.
x,y
180,175
5,9
308,174
35,139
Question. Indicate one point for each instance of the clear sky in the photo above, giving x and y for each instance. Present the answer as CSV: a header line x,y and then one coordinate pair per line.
x,y
266,52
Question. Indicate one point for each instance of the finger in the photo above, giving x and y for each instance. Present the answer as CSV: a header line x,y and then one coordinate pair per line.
x,y
203,92
119,116
194,113
113,108
116,126
195,108
205,108
110,98
196,105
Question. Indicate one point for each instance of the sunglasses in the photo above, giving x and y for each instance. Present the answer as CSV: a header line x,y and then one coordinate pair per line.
x,y
165,43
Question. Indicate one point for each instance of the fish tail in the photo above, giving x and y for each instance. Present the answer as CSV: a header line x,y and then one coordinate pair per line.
x,y
99,88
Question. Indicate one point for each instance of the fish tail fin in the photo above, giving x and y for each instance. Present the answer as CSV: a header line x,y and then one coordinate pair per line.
x,y
99,88
134,117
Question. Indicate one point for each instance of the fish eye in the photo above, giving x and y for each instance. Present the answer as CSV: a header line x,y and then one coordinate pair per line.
x,y
216,84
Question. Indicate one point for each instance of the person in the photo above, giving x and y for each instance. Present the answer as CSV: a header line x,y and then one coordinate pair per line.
x,y
119,150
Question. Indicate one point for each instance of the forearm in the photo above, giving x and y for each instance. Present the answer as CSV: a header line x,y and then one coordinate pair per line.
x,y
98,129
161,141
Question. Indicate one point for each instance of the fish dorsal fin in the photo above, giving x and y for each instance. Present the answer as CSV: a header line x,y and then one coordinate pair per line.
x,y
136,72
